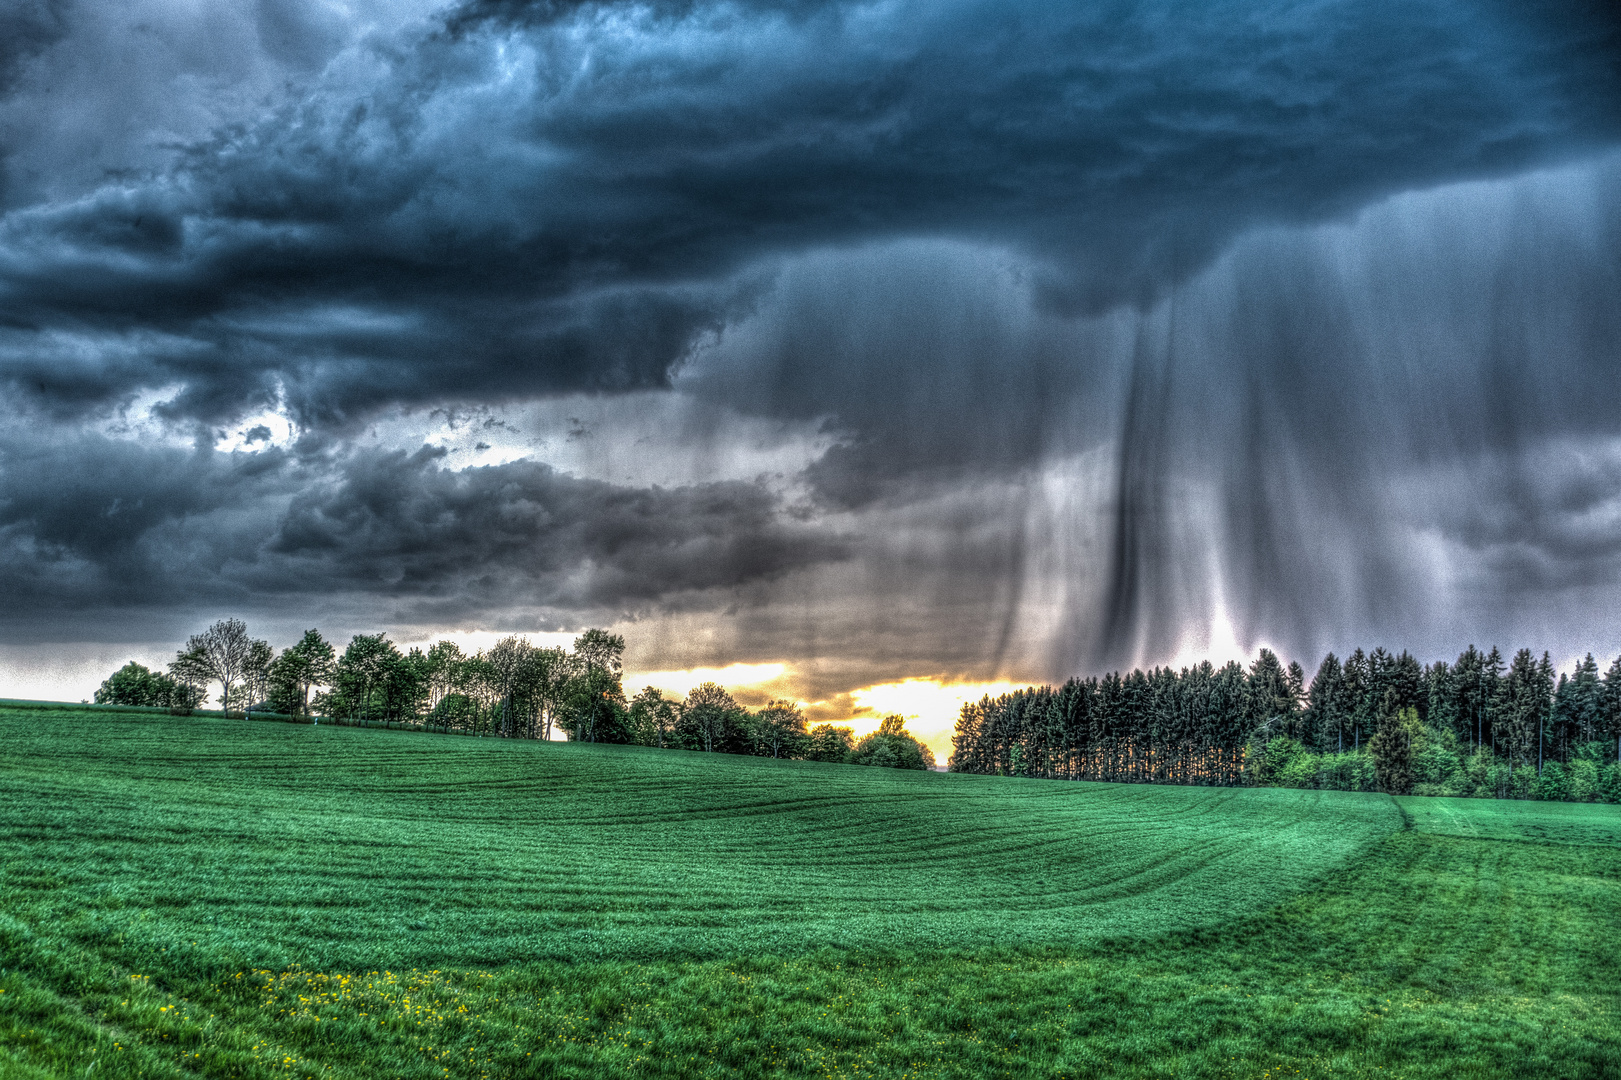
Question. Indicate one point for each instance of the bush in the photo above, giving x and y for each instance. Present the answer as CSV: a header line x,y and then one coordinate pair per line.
x,y
1473,778
1599,752
1267,761
1349,771
1335,773
1609,783
1365,772
1551,786
1301,771
1581,779
1435,763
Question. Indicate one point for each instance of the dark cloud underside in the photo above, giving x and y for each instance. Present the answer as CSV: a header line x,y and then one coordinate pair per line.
x,y
532,205
1113,320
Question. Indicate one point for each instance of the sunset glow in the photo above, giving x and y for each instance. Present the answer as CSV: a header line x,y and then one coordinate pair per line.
x,y
758,678
930,705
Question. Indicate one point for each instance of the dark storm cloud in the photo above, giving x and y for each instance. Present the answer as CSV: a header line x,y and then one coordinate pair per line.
x,y
562,197
1317,380
107,526
929,356
1055,278
1554,523
27,27
415,529
479,13
1258,434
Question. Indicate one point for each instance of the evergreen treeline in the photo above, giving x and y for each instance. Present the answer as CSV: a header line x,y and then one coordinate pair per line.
x,y
513,690
1476,727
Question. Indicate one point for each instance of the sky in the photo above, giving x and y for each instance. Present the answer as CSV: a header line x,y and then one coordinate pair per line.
x,y
874,355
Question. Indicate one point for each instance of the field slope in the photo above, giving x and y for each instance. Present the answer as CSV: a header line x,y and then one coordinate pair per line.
x,y
275,843
217,897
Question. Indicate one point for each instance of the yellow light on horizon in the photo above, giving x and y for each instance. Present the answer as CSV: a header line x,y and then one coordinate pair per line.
x,y
930,706
682,683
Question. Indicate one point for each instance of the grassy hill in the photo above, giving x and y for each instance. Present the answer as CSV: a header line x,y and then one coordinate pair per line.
x,y
274,843
199,896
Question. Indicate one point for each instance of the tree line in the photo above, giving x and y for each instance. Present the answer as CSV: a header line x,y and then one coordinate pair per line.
x,y
514,689
1479,726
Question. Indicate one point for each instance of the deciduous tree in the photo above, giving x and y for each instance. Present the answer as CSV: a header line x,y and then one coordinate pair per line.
x,y
299,670
653,717
708,719
782,729
832,744
134,684
224,649
256,673
892,746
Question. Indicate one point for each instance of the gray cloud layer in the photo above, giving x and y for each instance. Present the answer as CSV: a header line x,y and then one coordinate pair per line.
x,y
525,206
147,528
1076,290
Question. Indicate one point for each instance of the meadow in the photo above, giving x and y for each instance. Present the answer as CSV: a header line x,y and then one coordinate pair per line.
x,y
213,897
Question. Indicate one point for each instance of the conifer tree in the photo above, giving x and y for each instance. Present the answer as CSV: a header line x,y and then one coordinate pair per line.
x,y
1325,721
1468,695
1610,706
1358,691
1392,746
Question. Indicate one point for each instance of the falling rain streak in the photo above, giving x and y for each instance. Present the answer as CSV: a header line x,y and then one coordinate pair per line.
x,y
1405,424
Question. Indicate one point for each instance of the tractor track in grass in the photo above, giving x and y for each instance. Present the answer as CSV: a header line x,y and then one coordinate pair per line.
x,y
339,835
222,899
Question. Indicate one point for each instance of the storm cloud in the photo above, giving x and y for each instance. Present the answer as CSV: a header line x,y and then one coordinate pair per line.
x,y
530,205
140,527
988,338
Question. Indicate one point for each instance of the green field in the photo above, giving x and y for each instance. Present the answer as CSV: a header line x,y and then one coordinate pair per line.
x,y
1500,819
201,896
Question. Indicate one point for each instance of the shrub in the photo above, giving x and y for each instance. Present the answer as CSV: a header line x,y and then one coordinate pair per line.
x,y
1365,774
1435,763
1609,783
1598,752
1473,778
1350,771
1301,771
1335,773
1498,782
1268,761
1581,779
1551,785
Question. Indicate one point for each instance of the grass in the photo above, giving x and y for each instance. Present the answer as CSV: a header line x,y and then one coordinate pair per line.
x,y
1503,819
212,897
274,844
